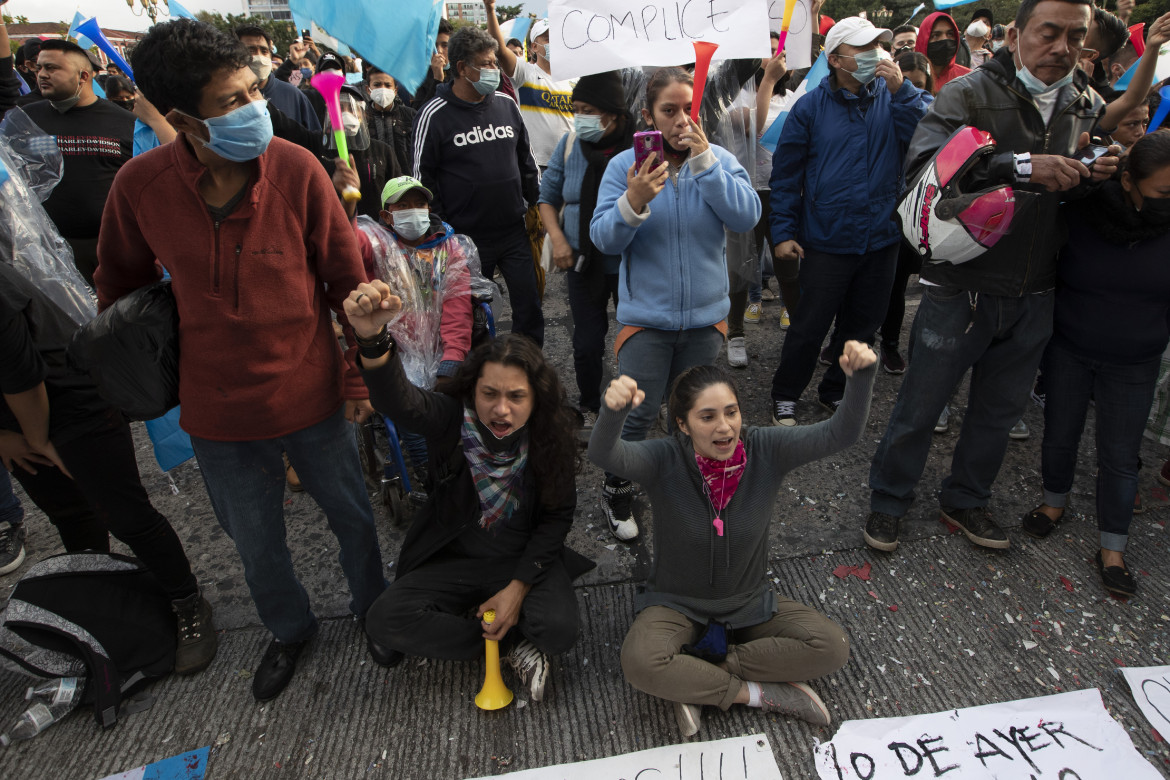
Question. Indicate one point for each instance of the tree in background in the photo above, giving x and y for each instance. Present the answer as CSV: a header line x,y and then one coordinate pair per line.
x,y
506,12
1149,10
282,32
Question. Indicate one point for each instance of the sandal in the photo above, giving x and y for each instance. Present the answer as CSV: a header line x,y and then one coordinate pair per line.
x,y
1038,525
1116,579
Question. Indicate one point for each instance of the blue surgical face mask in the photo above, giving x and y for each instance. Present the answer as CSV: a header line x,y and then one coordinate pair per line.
x,y
411,223
240,135
867,63
588,127
489,79
307,73
1037,87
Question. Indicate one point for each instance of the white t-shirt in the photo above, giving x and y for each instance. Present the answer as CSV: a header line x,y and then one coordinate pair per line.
x,y
546,107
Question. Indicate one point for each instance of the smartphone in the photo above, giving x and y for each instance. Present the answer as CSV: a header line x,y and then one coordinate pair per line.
x,y
1089,154
646,142
305,33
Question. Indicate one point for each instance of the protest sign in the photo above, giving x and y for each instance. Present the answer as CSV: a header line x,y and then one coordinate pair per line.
x,y
1151,691
1069,736
739,758
593,36
798,44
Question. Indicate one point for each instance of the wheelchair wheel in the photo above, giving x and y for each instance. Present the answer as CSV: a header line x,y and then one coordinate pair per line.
x,y
392,498
368,456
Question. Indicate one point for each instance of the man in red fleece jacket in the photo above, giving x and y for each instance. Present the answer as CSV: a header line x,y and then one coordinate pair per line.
x,y
938,39
259,250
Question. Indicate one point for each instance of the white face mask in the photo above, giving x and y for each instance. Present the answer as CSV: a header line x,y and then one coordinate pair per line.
x,y
351,124
261,66
978,29
383,96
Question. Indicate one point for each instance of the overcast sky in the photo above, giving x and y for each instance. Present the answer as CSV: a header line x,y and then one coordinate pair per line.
x,y
116,15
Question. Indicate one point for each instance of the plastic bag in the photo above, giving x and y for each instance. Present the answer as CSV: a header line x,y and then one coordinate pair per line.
x,y
39,161
424,279
132,352
29,240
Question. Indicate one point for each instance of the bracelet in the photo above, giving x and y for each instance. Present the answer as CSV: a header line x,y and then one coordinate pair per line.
x,y
1023,163
376,347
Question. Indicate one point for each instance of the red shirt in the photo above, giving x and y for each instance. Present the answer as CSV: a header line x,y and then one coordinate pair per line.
x,y
257,355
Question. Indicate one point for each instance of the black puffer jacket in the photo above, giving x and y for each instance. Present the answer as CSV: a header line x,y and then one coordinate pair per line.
x,y
993,99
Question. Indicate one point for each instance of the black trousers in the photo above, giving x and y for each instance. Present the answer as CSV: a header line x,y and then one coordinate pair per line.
x,y
590,325
430,611
106,497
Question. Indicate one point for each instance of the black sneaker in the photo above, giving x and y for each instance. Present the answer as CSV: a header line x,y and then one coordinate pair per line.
x,y
276,669
826,356
881,531
784,413
830,406
977,525
11,546
196,632
617,498
892,361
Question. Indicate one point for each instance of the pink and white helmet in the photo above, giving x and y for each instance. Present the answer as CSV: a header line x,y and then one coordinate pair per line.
x,y
944,222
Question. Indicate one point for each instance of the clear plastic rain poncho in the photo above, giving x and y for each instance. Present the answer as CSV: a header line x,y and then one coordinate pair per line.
x,y
30,167
424,279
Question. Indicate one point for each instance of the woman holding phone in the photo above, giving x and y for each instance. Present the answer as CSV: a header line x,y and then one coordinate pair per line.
x,y
666,218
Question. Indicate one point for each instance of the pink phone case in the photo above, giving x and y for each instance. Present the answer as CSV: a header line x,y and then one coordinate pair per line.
x,y
645,142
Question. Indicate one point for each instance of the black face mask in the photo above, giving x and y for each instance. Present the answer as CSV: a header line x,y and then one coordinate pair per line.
x,y
1155,211
941,53
126,104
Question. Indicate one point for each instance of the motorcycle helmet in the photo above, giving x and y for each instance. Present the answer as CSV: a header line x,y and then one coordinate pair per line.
x,y
941,219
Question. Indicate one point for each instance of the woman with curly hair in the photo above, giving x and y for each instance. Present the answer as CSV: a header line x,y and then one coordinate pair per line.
x,y
491,536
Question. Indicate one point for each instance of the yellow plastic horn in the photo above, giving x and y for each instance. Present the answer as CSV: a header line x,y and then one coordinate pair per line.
x,y
494,695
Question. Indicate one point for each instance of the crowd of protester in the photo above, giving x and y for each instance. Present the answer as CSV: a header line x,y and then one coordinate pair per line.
x,y
217,166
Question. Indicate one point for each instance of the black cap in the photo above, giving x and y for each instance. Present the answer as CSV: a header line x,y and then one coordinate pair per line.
x,y
602,90
329,62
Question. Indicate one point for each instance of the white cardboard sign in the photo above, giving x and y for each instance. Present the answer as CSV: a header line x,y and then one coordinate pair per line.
x,y
739,758
593,36
1151,691
800,30
1068,736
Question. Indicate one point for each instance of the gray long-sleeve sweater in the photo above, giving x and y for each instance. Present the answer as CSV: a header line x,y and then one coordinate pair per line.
x,y
695,571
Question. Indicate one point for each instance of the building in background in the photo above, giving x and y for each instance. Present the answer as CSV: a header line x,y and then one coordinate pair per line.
x,y
277,9
467,11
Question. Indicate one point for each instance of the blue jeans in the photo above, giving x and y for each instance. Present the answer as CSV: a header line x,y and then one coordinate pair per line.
x,y
1123,394
511,252
853,288
245,480
1002,341
653,358
10,509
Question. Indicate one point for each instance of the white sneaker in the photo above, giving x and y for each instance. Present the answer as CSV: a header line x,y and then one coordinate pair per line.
x,y
617,496
687,716
736,352
531,666
944,421
1019,431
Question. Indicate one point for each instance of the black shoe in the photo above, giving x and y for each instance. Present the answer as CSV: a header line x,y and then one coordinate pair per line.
x,y
977,525
830,406
196,632
11,546
382,655
617,497
276,669
1116,579
825,358
892,361
1038,525
881,531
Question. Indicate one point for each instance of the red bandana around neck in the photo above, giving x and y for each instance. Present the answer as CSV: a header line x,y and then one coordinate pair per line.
x,y
721,478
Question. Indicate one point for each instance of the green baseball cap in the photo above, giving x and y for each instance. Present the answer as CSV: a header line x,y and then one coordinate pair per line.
x,y
399,186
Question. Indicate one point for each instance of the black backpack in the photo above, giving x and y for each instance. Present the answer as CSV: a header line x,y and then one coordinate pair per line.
x,y
92,615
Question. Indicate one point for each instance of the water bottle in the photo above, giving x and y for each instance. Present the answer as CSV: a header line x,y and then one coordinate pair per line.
x,y
37,718
60,691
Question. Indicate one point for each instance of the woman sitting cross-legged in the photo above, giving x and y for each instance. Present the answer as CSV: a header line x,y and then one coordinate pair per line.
x,y
709,629
491,536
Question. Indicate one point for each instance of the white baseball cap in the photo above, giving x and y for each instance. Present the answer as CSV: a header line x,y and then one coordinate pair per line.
x,y
539,28
854,31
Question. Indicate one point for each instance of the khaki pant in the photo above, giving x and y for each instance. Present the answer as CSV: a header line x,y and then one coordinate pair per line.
x,y
796,645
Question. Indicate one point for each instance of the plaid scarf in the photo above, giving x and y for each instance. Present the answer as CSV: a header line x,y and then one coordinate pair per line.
x,y
498,476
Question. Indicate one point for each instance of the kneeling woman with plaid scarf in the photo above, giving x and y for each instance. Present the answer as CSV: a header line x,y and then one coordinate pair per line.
x,y
501,499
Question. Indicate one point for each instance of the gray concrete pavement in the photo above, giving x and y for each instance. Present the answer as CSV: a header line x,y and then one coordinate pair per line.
x,y
956,638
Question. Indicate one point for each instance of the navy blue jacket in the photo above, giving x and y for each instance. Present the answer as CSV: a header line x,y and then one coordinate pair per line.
x,y
476,160
837,170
